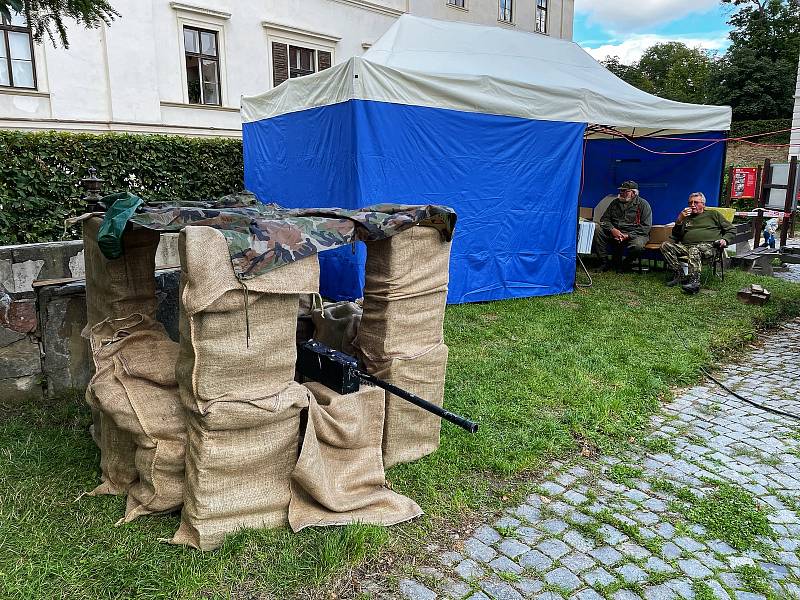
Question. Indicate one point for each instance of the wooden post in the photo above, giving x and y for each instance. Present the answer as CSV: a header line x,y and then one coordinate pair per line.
x,y
787,207
758,222
730,185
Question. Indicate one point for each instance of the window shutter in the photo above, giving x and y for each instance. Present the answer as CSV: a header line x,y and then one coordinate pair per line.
x,y
280,63
324,60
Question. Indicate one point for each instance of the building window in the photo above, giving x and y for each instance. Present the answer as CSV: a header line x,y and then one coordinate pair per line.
x,y
302,61
541,16
16,54
202,65
457,3
506,11
290,61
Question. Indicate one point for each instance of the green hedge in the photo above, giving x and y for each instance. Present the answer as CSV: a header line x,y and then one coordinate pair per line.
x,y
745,128
41,172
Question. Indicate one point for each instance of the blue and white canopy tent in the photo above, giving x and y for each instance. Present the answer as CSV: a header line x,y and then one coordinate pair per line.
x,y
490,121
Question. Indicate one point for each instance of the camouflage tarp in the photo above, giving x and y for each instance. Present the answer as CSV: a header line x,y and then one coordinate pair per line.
x,y
262,237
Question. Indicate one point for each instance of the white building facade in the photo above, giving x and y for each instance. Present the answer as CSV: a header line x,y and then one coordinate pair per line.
x,y
181,68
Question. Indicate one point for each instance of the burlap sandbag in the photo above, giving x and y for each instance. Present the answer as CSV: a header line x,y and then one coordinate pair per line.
x,y
339,477
305,326
119,287
405,295
136,391
409,432
122,286
336,323
412,263
237,338
117,453
238,476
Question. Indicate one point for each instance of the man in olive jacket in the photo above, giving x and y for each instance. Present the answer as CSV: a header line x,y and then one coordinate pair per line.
x,y
696,235
625,225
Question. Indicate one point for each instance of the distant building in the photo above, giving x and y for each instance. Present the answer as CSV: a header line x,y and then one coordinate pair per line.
x,y
181,67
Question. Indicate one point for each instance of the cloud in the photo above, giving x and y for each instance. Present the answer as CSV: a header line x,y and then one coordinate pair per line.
x,y
636,15
631,49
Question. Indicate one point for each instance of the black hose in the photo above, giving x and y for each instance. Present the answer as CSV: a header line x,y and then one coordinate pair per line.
x,y
776,411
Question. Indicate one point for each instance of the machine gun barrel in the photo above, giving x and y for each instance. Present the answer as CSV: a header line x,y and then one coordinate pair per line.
x,y
462,422
340,372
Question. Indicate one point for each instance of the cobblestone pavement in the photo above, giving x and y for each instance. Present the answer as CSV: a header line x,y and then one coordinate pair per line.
x,y
669,520
793,272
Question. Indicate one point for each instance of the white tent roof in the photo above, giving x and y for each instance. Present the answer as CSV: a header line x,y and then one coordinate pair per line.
x,y
494,70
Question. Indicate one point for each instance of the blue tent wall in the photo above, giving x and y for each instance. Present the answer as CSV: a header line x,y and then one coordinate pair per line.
x,y
514,183
665,181
308,160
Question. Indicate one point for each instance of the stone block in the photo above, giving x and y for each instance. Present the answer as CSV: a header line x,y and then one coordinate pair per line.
x,y
9,336
20,359
66,360
50,260
18,316
6,274
24,273
17,390
167,289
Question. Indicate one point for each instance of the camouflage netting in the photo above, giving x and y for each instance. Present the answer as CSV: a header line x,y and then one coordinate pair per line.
x,y
263,237
215,424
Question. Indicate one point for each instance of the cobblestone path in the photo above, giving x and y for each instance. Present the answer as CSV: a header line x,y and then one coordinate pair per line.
x,y
674,519
793,272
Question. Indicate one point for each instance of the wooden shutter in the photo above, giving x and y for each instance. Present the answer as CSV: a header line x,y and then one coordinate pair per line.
x,y
280,63
323,60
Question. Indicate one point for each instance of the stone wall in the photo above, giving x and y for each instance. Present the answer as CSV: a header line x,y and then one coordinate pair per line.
x,y
41,350
747,155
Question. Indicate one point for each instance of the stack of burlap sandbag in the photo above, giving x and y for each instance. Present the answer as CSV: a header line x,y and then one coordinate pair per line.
x,y
216,424
236,377
400,338
135,391
137,417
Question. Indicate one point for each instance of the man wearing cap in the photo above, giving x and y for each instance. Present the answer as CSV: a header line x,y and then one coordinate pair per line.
x,y
696,234
625,224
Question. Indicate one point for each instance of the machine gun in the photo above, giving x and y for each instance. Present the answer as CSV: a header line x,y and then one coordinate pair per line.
x,y
340,372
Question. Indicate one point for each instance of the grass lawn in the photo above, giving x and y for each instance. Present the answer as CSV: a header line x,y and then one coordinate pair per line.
x,y
545,377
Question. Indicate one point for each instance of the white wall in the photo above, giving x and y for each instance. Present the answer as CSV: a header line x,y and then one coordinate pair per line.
x,y
131,77
559,18
794,149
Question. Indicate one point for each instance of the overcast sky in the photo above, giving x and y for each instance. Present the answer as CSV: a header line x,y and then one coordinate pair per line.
x,y
625,28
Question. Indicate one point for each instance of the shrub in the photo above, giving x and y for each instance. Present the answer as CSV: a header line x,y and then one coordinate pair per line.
x,y
41,173
746,128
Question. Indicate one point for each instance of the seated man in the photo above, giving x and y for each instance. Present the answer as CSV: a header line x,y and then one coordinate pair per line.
x,y
696,233
625,224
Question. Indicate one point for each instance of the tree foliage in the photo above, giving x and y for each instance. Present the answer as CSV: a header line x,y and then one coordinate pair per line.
x,y
46,17
628,73
756,76
671,70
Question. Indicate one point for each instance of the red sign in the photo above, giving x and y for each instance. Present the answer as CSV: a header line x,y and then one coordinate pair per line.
x,y
743,182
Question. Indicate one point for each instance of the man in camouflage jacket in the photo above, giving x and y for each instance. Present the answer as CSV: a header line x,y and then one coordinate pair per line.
x,y
696,235
625,225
